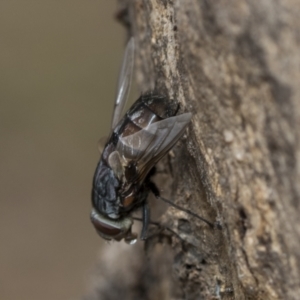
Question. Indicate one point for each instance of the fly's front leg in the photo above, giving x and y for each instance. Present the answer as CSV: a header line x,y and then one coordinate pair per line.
x,y
160,227
153,188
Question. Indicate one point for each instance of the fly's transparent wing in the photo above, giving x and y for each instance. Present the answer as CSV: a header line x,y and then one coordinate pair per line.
x,y
101,143
124,82
150,144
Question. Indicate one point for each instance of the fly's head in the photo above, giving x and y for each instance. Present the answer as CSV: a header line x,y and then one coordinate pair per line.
x,y
113,229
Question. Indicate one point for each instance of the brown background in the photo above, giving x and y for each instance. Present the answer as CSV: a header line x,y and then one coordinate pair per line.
x,y
59,62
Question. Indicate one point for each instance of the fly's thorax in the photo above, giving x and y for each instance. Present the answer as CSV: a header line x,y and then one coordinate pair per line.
x,y
105,198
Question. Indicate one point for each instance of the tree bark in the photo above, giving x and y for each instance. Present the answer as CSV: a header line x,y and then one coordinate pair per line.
x,y
235,65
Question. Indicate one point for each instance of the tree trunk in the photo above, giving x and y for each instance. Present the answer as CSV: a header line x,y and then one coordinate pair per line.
x,y
236,66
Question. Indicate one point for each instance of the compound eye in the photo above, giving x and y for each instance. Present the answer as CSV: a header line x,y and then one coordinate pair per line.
x,y
105,229
113,229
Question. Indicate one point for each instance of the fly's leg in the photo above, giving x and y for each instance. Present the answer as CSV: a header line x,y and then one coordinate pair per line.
x,y
145,220
153,188
160,227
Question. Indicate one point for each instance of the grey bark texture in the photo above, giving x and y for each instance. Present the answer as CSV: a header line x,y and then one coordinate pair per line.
x,y
235,65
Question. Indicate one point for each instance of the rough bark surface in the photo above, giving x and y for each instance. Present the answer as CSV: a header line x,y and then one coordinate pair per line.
x,y
235,65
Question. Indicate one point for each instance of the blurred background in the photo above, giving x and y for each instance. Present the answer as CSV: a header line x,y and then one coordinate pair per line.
x,y
59,66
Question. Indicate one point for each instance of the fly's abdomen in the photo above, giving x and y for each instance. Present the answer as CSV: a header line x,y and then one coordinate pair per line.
x,y
148,109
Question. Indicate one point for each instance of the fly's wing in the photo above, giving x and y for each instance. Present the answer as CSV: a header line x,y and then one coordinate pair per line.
x,y
101,144
124,82
150,144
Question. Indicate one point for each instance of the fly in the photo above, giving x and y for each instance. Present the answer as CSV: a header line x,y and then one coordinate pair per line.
x,y
121,183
